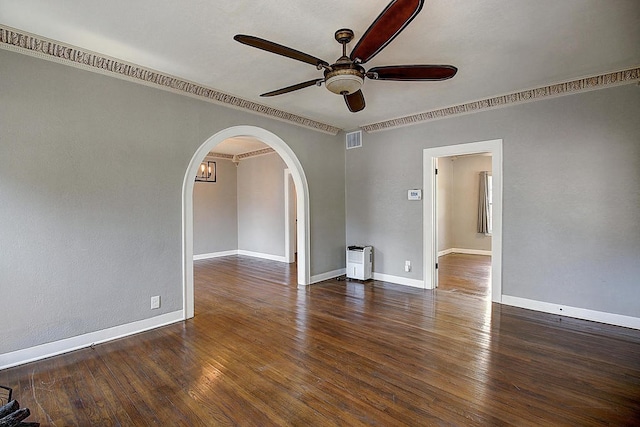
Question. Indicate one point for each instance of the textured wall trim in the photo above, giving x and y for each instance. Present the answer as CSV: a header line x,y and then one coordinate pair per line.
x,y
260,152
220,155
23,42
246,155
560,89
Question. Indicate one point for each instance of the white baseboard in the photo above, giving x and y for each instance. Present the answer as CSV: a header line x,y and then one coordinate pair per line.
x,y
215,255
279,258
376,276
328,275
31,354
399,280
578,313
240,252
464,251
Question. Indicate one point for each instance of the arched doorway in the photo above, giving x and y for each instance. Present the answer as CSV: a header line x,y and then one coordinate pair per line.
x,y
302,204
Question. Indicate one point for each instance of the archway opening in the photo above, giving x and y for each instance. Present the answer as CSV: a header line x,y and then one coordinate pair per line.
x,y
302,204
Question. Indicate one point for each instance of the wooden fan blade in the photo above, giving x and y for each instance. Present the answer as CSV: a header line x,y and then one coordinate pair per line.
x,y
413,72
355,101
397,15
293,87
278,49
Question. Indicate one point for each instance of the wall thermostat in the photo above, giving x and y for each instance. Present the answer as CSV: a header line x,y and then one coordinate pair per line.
x,y
415,195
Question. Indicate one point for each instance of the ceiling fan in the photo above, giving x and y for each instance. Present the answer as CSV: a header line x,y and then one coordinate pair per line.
x,y
346,75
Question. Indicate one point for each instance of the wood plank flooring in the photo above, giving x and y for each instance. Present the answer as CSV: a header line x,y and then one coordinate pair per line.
x,y
342,353
469,274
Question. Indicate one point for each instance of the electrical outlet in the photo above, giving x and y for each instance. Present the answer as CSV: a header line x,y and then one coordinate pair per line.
x,y
407,266
155,302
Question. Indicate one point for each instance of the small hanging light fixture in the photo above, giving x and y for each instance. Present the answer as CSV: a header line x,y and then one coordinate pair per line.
x,y
206,172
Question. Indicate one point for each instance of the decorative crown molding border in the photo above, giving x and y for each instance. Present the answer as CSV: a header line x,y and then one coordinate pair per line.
x,y
262,151
26,43
220,155
23,42
246,155
554,90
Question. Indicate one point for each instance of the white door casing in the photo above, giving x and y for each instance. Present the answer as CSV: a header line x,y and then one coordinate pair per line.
x,y
430,220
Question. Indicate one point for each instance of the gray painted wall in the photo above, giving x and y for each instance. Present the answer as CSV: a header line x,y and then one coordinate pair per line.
x,y
215,211
261,210
571,202
91,172
243,210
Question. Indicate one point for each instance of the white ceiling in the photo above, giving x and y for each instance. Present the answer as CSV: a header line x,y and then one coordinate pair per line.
x,y
499,46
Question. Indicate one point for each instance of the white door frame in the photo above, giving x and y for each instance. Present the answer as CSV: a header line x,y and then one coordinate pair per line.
x,y
289,219
302,203
430,250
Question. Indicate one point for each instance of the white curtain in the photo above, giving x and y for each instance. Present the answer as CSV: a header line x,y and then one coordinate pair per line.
x,y
484,225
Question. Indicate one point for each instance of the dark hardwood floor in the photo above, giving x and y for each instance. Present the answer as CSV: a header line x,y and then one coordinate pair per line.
x,y
469,274
261,352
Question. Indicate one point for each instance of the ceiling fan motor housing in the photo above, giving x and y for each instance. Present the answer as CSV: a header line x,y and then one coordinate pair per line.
x,y
344,77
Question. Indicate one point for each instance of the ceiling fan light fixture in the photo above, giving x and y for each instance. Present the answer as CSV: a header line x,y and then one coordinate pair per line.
x,y
345,81
346,76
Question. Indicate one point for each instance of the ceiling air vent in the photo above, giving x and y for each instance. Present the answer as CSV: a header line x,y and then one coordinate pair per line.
x,y
354,139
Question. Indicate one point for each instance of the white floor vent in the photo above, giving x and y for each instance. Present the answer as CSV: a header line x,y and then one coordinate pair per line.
x,y
354,139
